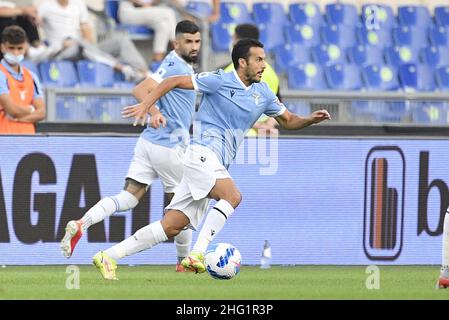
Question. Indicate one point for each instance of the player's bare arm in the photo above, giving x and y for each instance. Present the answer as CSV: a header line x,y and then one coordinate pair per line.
x,y
292,121
36,114
139,111
12,109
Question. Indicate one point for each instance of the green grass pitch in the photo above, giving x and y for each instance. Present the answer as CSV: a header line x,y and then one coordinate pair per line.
x,y
252,283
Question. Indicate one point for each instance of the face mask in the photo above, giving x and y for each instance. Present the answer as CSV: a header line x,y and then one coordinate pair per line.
x,y
12,59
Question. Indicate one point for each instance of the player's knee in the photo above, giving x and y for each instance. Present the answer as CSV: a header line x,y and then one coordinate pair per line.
x,y
234,198
171,231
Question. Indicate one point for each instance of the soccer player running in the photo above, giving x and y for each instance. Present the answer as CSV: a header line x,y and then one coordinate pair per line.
x,y
231,103
157,152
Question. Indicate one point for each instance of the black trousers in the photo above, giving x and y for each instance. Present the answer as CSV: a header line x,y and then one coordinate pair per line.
x,y
30,29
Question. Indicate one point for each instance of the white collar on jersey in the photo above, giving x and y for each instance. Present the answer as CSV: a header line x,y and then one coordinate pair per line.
x,y
180,58
240,80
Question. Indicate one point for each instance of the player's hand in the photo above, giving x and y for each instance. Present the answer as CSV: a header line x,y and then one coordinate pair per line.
x,y
157,120
138,111
320,115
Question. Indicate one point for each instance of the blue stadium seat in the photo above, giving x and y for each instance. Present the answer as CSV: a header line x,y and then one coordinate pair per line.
x,y
235,12
377,16
342,36
379,111
430,113
30,65
414,16
58,74
305,35
269,13
305,13
95,74
435,56
327,54
222,36
397,56
308,76
271,35
379,77
380,38
136,32
340,13
288,54
343,77
442,78
365,55
199,8
416,77
441,16
410,36
439,36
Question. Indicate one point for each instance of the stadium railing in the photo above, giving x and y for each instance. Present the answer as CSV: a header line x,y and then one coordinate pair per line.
x,y
104,105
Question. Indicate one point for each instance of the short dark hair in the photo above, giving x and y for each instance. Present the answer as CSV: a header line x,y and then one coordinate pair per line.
x,y
14,35
241,50
186,26
247,30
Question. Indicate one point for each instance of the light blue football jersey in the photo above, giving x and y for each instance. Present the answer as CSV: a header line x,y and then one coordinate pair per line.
x,y
177,106
228,109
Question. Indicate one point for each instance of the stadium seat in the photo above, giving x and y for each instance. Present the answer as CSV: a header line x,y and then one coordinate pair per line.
x,y
441,16
234,12
301,108
380,38
439,36
222,36
430,113
343,77
378,16
305,35
397,56
31,66
435,56
342,36
95,74
271,35
58,74
414,16
269,13
416,77
308,76
340,13
410,36
136,32
327,54
365,55
305,14
199,8
379,111
442,78
379,77
288,54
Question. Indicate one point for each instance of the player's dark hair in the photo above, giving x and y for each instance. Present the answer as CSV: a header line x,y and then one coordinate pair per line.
x,y
186,26
241,50
247,30
14,35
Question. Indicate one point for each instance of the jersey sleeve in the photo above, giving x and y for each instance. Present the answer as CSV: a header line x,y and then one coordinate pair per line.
x,y
207,82
274,107
38,93
4,89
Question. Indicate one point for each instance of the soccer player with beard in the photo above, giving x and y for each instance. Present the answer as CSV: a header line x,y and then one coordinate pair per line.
x,y
158,152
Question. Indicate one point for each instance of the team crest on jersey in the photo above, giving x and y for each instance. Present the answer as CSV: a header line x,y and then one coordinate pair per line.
x,y
256,97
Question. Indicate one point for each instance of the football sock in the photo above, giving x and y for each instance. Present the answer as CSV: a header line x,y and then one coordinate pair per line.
x,y
446,241
182,242
144,238
107,206
215,220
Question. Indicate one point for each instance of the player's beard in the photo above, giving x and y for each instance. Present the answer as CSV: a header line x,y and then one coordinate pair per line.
x,y
190,59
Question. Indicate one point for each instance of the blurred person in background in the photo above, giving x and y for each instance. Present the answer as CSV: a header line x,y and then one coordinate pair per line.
x,y
23,16
21,96
162,19
70,37
213,17
265,125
